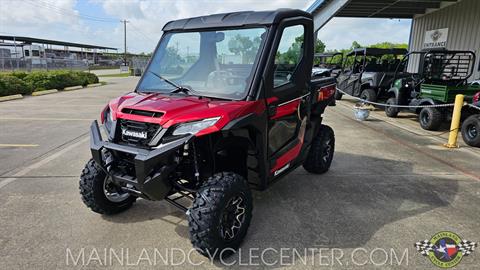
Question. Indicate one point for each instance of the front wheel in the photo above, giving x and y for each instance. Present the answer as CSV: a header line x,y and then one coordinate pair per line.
x,y
389,110
471,130
431,118
321,151
369,95
100,194
220,215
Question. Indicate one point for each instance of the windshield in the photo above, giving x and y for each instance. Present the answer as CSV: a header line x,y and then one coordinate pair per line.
x,y
210,63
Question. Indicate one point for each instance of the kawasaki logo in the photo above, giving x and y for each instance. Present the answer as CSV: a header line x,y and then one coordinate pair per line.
x,y
135,134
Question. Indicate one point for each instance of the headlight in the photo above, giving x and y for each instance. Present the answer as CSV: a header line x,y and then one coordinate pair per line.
x,y
194,127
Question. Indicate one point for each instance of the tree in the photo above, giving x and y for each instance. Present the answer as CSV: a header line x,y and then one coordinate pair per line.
x,y
355,45
319,46
244,46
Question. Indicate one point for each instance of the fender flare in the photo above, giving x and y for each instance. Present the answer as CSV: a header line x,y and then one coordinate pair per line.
x,y
394,91
424,101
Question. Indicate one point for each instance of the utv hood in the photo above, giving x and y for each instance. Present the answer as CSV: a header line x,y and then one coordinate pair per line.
x,y
168,110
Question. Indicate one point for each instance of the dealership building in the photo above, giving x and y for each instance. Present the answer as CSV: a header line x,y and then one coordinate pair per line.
x,y
451,24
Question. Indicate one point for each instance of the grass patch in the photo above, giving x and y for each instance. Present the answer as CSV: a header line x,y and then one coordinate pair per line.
x,y
118,75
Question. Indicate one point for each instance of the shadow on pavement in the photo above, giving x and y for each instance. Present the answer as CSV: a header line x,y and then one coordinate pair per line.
x,y
328,211
325,211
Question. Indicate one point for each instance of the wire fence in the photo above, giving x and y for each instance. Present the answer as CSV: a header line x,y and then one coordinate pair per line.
x,y
21,64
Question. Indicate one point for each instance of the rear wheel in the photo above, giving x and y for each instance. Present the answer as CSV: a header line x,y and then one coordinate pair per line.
x,y
100,194
471,130
369,95
391,111
321,151
220,215
338,95
431,118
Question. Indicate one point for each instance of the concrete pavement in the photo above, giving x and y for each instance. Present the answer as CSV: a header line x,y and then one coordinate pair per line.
x,y
390,186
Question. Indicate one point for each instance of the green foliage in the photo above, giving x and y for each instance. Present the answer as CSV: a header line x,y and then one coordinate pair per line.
x,y
356,45
389,45
11,85
244,46
319,46
24,83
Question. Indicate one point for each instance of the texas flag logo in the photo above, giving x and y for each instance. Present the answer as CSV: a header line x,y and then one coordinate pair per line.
x,y
445,249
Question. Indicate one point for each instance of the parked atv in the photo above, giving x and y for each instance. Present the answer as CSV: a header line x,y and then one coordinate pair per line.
x,y
209,120
471,126
444,75
368,72
405,85
327,64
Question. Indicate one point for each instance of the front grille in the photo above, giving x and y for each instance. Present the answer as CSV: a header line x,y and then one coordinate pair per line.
x,y
130,132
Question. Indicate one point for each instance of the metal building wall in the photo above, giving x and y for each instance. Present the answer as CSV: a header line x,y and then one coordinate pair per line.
x,y
463,23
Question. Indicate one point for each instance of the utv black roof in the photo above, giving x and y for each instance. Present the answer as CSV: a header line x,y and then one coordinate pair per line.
x,y
235,19
378,51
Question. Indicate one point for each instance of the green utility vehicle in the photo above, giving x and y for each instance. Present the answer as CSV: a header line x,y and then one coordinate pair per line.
x,y
442,75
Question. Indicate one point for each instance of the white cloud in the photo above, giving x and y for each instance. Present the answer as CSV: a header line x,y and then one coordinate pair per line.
x,y
148,17
339,33
59,20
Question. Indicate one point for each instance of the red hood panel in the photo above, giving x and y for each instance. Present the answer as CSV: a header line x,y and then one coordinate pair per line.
x,y
177,109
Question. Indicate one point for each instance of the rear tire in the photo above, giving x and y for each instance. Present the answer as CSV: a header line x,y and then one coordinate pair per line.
x,y
321,151
92,190
391,111
369,95
338,95
471,130
220,215
431,118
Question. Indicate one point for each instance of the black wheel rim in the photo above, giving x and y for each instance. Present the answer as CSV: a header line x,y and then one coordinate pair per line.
x,y
327,150
472,132
425,118
112,192
233,217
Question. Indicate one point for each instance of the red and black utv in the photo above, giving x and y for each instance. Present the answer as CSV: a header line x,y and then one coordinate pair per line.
x,y
226,104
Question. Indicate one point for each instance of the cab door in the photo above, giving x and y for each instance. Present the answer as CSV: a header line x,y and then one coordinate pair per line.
x,y
287,93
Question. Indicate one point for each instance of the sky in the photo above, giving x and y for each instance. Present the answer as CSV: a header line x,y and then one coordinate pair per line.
x,y
98,21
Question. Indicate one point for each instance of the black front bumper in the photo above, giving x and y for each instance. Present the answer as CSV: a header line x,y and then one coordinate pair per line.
x,y
152,167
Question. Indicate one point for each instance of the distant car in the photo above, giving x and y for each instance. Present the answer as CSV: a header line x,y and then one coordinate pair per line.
x,y
327,64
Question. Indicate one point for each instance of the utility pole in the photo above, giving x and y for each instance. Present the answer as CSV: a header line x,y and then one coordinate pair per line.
x,y
125,41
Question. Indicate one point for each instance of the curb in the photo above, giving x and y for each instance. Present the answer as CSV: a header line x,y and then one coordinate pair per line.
x,y
94,85
11,97
44,92
73,88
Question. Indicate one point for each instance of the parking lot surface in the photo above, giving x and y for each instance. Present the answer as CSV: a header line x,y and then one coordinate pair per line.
x,y
390,185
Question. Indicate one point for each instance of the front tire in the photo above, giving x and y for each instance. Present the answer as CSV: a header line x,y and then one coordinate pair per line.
x,y
220,215
471,130
431,118
369,95
391,111
321,151
99,194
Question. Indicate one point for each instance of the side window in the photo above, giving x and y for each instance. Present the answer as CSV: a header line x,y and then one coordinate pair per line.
x,y
289,54
27,53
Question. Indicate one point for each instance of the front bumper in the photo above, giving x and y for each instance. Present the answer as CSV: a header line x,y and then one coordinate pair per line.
x,y
152,167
